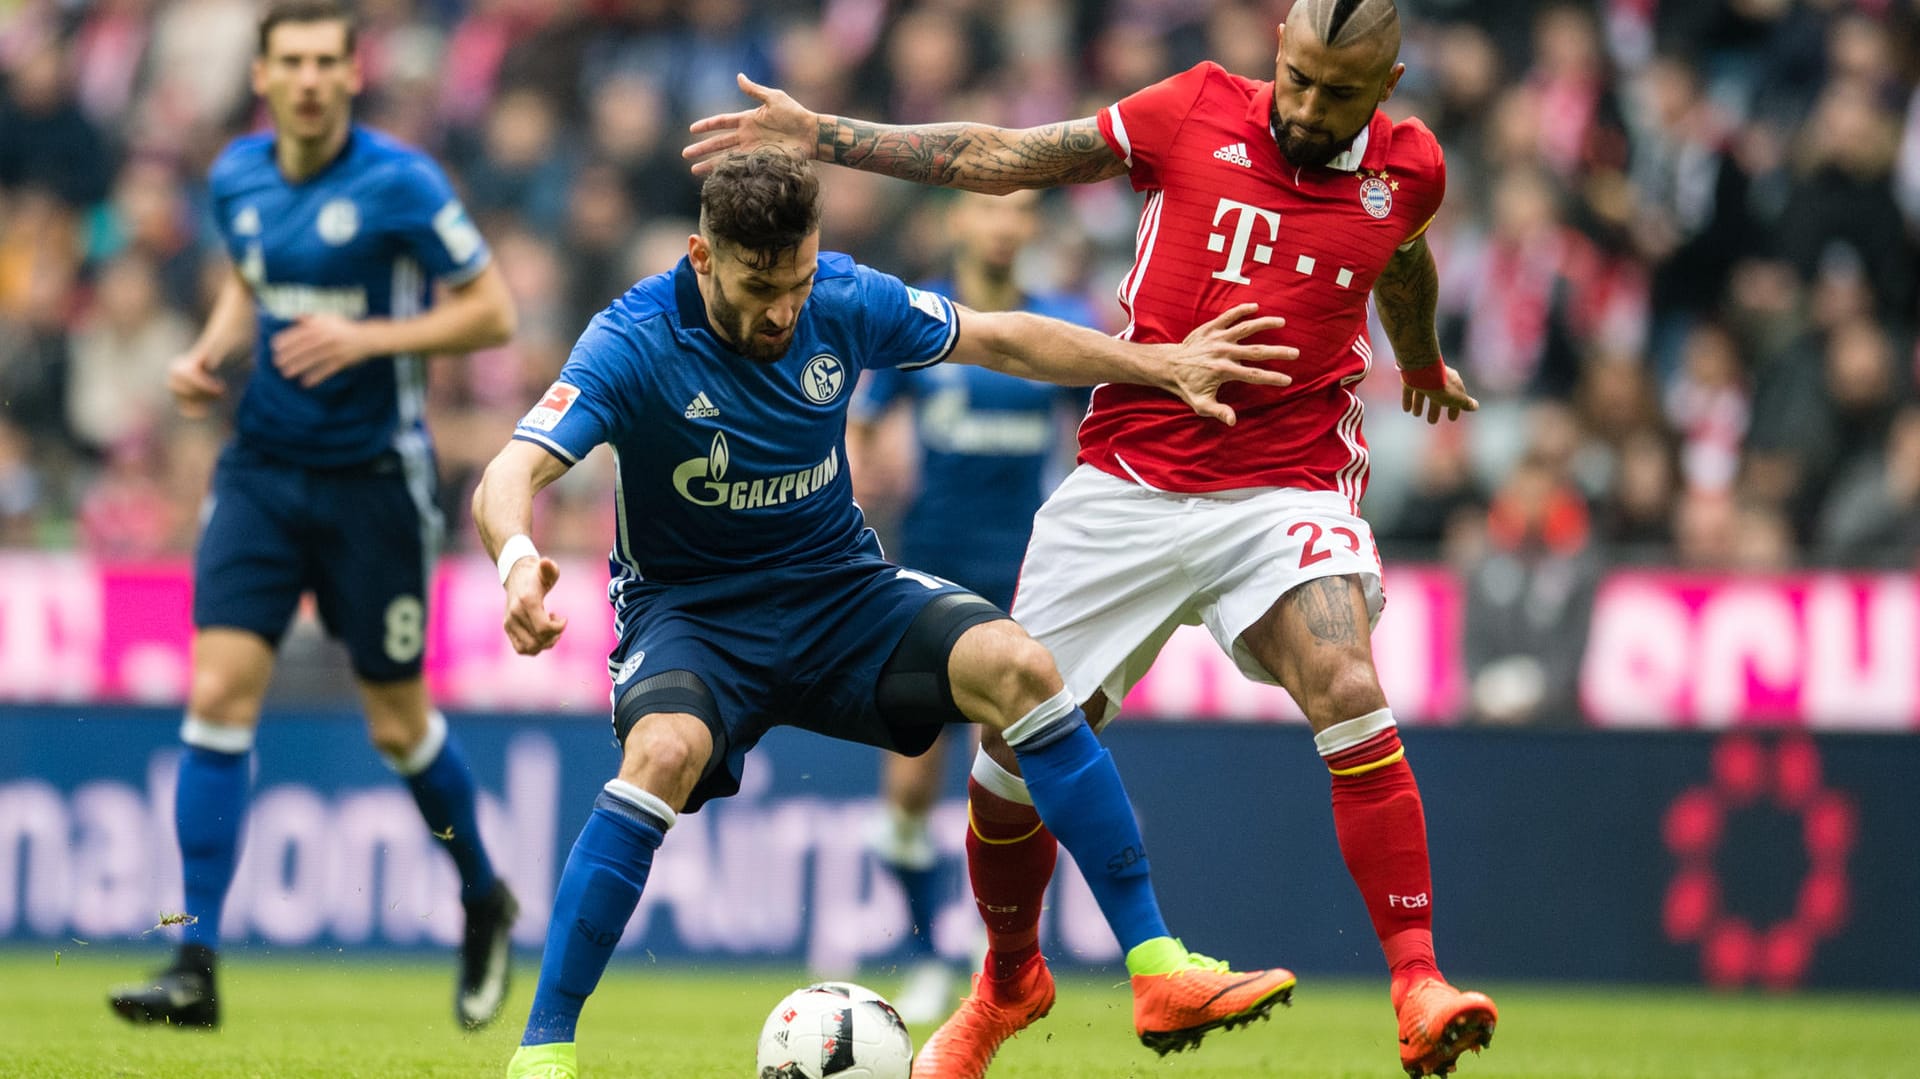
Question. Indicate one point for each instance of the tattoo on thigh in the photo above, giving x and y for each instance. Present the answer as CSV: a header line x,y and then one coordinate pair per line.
x,y
1327,608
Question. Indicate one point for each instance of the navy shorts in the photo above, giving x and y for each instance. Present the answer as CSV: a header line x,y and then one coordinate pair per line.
x,y
800,646
362,539
992,579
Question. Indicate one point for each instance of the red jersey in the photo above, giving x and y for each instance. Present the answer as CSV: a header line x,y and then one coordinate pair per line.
x,y
1227,221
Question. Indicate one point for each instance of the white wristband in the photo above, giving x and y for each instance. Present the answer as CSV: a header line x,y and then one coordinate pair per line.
x,y
517,547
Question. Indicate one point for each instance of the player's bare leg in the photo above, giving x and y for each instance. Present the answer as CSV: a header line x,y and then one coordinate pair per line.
x,y
414,740
231,669
396,713
1315,640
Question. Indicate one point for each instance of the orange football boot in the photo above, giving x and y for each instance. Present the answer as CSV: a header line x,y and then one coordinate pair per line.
x,y
1172,1012
997,1010
1438,1023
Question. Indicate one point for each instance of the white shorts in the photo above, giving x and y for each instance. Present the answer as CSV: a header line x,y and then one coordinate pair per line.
x,y
1114,568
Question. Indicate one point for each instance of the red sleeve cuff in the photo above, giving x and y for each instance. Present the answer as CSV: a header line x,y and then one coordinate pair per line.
x,y
1431,377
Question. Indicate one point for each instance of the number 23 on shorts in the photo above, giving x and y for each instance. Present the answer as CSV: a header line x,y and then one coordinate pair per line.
x,y
1318,538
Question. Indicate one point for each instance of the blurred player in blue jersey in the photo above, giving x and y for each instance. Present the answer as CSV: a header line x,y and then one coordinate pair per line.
x,y
338,236
980,451
749,593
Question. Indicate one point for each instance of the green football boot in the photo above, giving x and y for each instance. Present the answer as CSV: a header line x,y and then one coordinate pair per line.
x,y
554,1060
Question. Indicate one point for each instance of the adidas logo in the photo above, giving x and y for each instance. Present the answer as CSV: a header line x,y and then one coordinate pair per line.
x,y
1235,154
700,408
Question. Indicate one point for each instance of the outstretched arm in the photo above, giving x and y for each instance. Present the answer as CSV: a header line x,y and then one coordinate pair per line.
x,y
503,512
1036,347
974,157
1407,294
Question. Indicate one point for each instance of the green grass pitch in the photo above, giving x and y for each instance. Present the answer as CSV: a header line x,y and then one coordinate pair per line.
x,y
316,1015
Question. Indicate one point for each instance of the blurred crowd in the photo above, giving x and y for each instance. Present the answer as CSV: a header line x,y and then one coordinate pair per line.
x,y
1678,257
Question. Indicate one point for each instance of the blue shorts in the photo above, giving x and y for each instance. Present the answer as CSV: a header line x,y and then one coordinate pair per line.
x,y
362,539
986,575
800,646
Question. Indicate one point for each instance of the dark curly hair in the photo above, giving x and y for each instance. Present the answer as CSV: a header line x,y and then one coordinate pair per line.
x,y
760,205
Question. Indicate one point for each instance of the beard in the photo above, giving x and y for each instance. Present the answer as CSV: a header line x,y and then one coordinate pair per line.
x,y
742,335
1308,149
761,350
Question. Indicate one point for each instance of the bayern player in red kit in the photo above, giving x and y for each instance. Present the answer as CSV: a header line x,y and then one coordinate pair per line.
x,y
1301,196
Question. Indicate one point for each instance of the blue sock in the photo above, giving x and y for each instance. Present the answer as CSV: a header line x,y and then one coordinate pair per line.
x,y
444,792
922,887
598,891
209,805
1078,793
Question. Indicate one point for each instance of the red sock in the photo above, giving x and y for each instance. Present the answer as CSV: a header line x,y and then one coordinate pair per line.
x,y
1010,857
1383,836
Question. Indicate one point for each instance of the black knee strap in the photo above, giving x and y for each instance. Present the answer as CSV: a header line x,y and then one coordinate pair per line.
x,y
669,691
914,683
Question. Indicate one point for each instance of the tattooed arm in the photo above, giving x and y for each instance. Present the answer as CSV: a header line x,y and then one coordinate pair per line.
x,y
1406,294
974,157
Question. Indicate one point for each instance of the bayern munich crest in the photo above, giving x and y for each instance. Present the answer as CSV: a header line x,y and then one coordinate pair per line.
x,y
1376,196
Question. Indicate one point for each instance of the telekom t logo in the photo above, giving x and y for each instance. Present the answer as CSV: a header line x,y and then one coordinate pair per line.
x,y
1242,233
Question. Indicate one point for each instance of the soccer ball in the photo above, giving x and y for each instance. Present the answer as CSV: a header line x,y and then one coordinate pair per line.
x,y
834,1030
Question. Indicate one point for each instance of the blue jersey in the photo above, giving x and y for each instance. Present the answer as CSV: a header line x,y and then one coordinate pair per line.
x,y
988,444
365,237
726,465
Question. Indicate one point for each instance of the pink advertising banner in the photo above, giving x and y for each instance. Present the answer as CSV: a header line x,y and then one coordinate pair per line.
x,y
1823,650
1829,651
72,629
75,630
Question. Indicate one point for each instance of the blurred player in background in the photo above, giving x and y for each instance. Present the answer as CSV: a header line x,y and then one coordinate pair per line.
x,y
338,235
978,450
748,591
1302,196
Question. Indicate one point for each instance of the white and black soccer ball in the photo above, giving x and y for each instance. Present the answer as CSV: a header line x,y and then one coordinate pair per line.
x,y
834,1030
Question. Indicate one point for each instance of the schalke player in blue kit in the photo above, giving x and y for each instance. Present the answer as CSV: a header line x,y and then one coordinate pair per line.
x,y
748,592
980,451
338,235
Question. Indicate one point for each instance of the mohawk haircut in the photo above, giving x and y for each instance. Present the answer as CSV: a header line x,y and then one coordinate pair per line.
x,y
1341,23
760,205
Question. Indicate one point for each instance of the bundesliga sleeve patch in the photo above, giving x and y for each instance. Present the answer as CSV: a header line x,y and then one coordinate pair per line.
x,y
552,408
928,302
457,232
